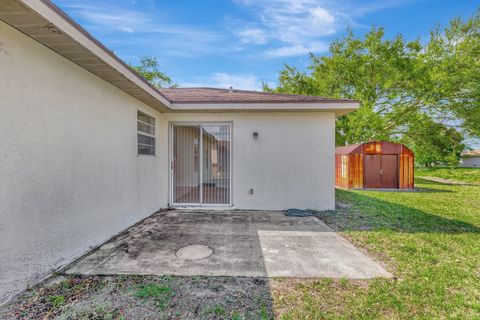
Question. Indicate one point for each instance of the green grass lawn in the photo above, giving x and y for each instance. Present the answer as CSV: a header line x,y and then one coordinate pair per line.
x,y
429,239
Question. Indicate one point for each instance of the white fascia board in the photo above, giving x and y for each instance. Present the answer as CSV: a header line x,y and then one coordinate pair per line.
x,y
320,106
66,27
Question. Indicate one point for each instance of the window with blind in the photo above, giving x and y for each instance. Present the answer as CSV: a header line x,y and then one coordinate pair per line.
x,y
145,133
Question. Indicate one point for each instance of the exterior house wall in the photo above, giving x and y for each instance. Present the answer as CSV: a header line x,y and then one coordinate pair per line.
x,y
70,174
470,162
290,165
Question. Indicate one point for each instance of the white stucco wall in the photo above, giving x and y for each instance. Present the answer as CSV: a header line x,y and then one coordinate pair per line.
x,y
291,165
70,177
470,162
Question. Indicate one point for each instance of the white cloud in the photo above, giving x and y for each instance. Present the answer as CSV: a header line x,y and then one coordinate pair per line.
x,y
293,23
226,80
296,50
297,27
147,29
322,19
252,35
113,17
275,29
302,24
127,29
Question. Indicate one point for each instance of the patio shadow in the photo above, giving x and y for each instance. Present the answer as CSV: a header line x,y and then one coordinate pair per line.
x,y
365,213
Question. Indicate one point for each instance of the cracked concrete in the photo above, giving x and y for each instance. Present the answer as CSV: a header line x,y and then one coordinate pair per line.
x,y
244,243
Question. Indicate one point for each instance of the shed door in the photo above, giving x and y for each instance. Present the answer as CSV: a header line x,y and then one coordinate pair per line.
x,y
381,171
372,171
389,171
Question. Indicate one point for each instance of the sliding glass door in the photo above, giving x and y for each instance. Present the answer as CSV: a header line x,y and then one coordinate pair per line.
x,y
216,164
186,164
201,164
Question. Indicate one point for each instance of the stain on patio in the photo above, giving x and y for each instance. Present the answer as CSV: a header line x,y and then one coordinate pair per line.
x,y
242,243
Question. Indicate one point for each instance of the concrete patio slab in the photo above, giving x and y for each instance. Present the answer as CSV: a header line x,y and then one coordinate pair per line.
x,y
244,243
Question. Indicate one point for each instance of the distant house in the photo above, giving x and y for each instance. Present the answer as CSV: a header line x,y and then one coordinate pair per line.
x,y
88,147
470,159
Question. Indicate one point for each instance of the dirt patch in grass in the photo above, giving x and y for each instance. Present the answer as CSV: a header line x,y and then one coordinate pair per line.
x,y
144,297
449,175
447,181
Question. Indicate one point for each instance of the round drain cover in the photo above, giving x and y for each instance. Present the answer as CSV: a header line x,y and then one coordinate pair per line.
x,y
194,252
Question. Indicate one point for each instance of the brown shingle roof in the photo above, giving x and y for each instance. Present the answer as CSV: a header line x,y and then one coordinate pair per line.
x,y
214,95
471,153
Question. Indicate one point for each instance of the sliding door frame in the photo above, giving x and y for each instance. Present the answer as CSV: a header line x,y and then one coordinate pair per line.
x,y
200,124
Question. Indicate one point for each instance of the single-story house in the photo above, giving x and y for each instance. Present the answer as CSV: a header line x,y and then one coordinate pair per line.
x,y
88,147
470,159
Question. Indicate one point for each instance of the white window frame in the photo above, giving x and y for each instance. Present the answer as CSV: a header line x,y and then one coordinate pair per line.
x,y
146,134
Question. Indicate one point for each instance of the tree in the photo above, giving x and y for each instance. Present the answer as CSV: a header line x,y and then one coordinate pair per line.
x,y
453,59
381,73
150,70
434,143
403,86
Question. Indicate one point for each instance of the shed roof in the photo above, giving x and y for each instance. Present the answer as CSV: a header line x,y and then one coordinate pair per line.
x,y
471,153
376,147
347,149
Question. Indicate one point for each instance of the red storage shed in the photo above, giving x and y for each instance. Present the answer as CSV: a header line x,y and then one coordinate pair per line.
x,y
374,165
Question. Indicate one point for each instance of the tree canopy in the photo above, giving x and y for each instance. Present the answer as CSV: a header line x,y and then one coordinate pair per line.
x,y
424,94
150,70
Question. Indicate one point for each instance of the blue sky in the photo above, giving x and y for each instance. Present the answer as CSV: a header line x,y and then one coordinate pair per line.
x,y
241,43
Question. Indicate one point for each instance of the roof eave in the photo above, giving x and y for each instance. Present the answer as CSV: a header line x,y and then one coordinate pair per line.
x,y
47,24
